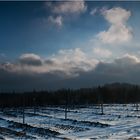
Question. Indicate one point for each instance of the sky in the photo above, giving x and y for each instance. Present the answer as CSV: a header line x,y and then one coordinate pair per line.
x,y
48,45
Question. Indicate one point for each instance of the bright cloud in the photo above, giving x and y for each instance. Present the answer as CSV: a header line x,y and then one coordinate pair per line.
x,y
69,7
62,8
118,31
103,53
73,61
58,21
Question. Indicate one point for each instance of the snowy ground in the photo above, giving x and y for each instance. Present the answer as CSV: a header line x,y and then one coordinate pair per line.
x,y
120,122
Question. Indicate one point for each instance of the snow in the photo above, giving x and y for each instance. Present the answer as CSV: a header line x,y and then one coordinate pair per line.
x,y
119,121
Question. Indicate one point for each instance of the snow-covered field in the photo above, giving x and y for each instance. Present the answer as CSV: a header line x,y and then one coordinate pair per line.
x,y
121,122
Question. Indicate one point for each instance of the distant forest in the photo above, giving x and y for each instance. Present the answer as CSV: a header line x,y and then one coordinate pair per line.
x,y
111,93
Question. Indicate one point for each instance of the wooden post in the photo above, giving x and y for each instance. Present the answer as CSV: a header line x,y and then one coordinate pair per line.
x,y
23,115
65,112
137,107
102,108
66,104
34,99
23,111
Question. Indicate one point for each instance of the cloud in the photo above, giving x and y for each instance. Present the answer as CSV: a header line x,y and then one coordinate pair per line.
x,y
127,60
58,21
124,66
30,59
93,11
102,53
118,31
69,7
72,61
62,9
53,72
65,63
68,63
116,15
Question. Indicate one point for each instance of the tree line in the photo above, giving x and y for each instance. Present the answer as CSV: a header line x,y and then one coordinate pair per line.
x,y
111,93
